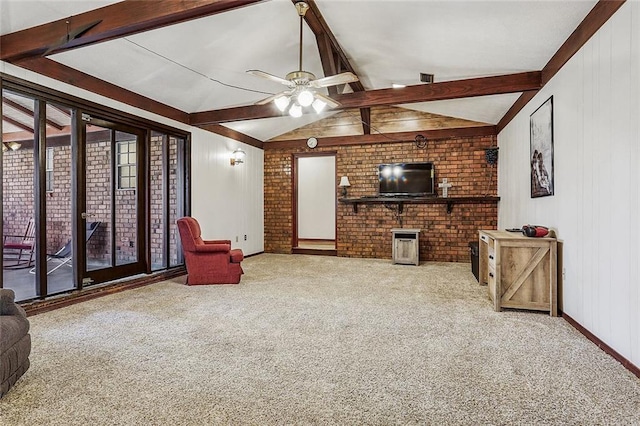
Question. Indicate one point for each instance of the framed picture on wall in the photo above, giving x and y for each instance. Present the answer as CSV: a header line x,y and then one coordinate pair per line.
x,y
541,150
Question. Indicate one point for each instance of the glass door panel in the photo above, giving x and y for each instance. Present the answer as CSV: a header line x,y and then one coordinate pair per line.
x,y
126,206
157,168
18,202
176,198
99,193
113,214
58,175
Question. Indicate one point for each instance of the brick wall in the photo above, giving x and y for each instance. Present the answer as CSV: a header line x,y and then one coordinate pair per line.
x,y
444,237
17,203
157,197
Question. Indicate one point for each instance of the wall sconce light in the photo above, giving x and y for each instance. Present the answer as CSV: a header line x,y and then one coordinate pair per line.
x,y
13,146
344,184
238,157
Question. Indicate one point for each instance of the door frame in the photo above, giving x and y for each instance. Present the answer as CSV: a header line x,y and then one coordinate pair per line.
x,y
113,272
294,193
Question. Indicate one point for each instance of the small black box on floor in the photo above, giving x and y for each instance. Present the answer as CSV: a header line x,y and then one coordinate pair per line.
x,y
474,250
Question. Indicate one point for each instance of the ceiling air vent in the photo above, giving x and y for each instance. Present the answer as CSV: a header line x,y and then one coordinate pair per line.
x,y
426,78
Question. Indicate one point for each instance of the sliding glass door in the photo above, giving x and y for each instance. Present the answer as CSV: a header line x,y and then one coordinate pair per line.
x,y
112,205
85,197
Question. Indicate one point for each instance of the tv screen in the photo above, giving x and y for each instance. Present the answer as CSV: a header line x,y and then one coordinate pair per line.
x,y
408,179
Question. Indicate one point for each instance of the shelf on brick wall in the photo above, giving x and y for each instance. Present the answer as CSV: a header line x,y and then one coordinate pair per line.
x,y
401,201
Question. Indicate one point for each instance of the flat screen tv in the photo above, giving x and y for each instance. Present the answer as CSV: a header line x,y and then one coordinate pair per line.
x,y
406,179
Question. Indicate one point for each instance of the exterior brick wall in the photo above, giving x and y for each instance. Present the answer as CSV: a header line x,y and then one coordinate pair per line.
x,y
157,197
17,178
444,237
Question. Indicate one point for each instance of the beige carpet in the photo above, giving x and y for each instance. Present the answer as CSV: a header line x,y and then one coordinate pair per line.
x,y
316,340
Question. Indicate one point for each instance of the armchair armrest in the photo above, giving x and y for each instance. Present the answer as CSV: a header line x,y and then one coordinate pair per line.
x,y
217,242
7,304
211,248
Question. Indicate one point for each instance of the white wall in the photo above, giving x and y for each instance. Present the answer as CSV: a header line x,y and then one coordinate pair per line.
x,y
595,209
226,200
317,197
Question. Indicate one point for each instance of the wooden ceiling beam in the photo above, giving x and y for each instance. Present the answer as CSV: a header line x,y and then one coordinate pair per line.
x,y
365,117
510,83
333,58
595,19
85,81
79,79
321,29
61,110
378,138
17,124
111,22
29,112
456,89
327,58
233,134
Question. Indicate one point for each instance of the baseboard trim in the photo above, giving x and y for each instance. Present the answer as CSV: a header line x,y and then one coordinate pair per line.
x,y
606,348
316,252
57,302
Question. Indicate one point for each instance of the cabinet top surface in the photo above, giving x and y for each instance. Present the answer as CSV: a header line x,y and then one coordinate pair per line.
x,y
505,235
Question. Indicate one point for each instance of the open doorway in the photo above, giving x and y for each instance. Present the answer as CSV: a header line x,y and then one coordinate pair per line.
x,y
314,204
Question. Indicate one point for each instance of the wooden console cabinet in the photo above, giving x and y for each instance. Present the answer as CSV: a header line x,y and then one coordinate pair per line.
x,y
520,271
406,246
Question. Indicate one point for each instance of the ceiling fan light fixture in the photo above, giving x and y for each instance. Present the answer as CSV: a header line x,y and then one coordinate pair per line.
x,y
305,97
282,102
319,105
295,110
302,85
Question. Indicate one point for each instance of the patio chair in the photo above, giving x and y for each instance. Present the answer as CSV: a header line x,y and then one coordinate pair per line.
x,y
19,249
64,255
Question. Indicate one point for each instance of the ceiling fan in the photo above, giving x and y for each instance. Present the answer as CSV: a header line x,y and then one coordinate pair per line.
x,y
302,84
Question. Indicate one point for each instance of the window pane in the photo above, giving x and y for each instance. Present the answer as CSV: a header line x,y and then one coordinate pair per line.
x,y
18,196
58,204
126,162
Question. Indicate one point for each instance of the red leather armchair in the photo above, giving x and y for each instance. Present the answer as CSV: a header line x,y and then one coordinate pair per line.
x,y
208,262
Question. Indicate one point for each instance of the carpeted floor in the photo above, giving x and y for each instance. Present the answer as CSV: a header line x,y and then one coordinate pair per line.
x,y
316,340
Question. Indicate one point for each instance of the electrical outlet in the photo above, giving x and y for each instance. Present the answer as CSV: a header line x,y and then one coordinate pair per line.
x,y
245,237
236,238
564,274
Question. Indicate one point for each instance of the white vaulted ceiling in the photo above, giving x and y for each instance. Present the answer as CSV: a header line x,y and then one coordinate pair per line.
x,y
201,64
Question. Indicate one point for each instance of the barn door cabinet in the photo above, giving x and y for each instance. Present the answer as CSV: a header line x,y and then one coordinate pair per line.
x,y
520,271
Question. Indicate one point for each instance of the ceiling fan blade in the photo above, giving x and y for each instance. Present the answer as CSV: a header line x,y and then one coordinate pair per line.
x,y
332,80
273,97
330,102
271,77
